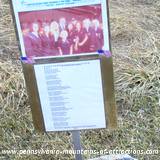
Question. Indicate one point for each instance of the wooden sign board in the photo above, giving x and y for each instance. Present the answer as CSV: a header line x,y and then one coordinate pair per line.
x,y
70,75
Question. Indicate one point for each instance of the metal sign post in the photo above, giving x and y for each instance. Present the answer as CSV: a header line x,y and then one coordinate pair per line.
x,y
76,140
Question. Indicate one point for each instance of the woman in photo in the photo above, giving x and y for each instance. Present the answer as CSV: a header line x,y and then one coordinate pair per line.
x,y
27,42
81,39
62,24
87,24
74,22
64,46
35,45
47,40
96,41
54,33
71,33
87,30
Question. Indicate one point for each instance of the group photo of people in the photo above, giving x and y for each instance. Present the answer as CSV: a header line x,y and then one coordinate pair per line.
x,y
59,32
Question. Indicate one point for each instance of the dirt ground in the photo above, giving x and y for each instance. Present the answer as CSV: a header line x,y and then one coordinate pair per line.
x,y
135,32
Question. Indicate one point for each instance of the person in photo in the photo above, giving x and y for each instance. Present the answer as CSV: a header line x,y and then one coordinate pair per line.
x,y
96,40
35,45
47,40
80,39
62,24
26,40
64,46
74,21
71,33
87,24
55,35
87,31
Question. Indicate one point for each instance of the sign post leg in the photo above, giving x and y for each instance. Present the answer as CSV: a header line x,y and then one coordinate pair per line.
x,y
77,144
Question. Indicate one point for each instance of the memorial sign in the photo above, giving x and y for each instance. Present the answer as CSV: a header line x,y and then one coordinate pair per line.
x,y
67,63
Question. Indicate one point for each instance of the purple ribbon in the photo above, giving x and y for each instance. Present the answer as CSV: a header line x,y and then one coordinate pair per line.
x,y
105,53
27,60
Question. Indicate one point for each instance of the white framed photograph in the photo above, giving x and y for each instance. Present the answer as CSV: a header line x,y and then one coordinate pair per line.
x,y
53,28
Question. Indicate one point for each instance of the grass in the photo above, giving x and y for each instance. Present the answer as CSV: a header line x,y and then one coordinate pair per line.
x,y
136,48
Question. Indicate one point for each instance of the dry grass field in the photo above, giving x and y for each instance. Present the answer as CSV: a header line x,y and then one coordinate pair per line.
x,y
135,30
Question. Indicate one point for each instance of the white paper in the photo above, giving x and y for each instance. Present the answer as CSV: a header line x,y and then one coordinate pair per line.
x,y
71,95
